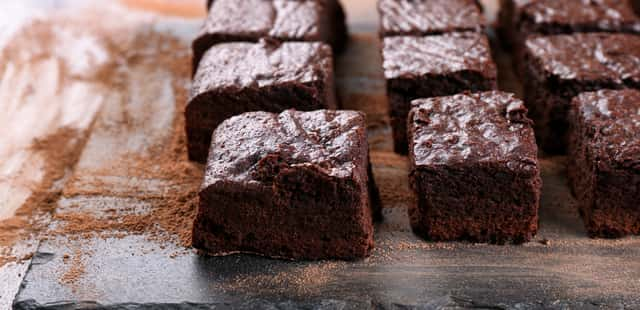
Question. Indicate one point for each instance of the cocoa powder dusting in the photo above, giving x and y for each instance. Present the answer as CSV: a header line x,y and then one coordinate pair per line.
x,y
128,47
60,151
66,116
170,217
303,280
76,269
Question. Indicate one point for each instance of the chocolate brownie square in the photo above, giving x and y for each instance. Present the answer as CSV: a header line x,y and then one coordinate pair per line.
x,y
604,170
284,20
266,76
430,66
292,185
428,17
559,67
518,19
474,169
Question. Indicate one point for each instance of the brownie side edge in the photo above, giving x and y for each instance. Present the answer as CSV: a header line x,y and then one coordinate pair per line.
x,y
222,226
607,195
496,218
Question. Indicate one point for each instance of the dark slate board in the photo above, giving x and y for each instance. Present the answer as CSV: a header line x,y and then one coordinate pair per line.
x,y
561,269
134,273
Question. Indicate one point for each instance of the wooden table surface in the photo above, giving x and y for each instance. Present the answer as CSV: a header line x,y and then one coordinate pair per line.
x,y
84,85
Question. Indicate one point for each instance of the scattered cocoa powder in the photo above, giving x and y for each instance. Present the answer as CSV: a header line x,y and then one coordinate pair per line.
x,y
177,217
169,219
303,280
66,42
6,258
75,271
85,225
172,210
60,151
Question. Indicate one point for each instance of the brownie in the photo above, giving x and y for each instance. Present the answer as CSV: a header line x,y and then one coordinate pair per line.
x,y
284,20
266,76
430,66
474,169
559,67
428,17
519,19
293,185
604,170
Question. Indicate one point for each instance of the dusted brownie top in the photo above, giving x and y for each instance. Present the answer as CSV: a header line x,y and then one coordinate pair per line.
x,y
293,20
422,17
410,57
470,128
238,65
254,146
605,14
612,119
603,57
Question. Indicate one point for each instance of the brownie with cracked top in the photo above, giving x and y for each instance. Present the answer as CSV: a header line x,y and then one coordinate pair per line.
x,y
474,168
266,76
283,20
604,170
519,19
294,185
430,66
559,67
428,17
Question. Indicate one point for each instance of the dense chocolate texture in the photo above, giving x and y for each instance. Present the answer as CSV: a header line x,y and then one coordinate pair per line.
x,y
559,67
519,19
474,169
428,17
241,77
430,66
604,170
284,20
291,185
